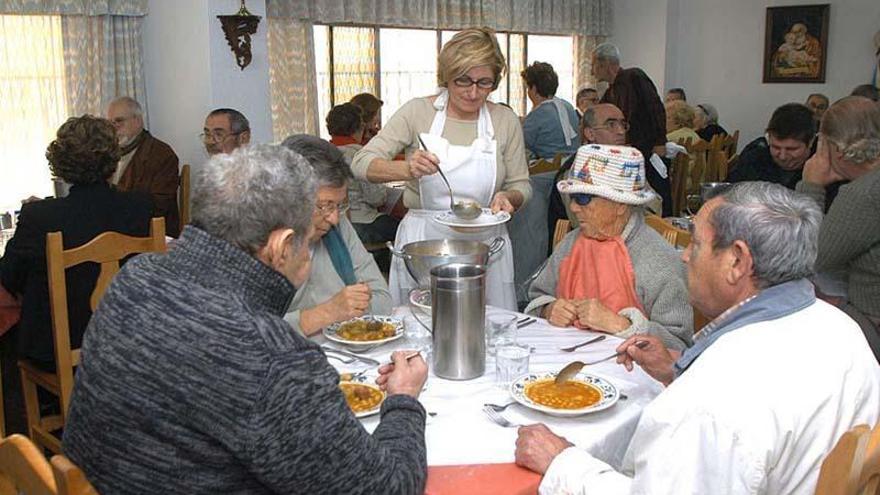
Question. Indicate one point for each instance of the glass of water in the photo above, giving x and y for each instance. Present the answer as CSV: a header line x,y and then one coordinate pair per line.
x,y
511,362
500,330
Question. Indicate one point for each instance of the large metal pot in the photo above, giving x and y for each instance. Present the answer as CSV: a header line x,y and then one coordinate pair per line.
x,y
419,257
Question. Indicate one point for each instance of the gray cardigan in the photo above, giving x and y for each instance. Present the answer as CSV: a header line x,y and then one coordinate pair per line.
x,y
192,383
661,284
324,282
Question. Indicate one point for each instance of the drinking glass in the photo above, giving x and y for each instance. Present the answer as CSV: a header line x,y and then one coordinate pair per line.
x,y
511,362
500,329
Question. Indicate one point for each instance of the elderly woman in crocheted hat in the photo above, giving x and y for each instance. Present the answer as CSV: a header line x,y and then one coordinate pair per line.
x,y
614,273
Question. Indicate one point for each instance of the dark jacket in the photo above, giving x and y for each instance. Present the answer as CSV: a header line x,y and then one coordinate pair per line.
x,y
153,170
86,212
710,131
191,382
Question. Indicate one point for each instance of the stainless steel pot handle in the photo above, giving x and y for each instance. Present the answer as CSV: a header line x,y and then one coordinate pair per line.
x,y
496,245
414,311
395,252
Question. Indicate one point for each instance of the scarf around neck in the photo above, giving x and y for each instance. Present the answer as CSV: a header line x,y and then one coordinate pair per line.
x,y
339,256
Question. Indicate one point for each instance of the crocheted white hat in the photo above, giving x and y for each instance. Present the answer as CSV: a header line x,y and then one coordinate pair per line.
x,y
616,173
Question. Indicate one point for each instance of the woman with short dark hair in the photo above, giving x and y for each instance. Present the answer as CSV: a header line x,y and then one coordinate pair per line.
x,y
84,154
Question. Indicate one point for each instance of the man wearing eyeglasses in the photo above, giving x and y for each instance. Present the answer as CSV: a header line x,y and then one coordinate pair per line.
x,y
225,130
147,164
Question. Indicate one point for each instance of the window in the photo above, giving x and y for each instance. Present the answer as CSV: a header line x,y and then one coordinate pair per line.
x,y
405,65
32,104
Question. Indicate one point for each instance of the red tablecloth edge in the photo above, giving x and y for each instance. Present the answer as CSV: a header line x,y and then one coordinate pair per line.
x,y
483,479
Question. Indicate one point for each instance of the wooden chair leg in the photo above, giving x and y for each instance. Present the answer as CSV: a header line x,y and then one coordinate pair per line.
x,y
31,405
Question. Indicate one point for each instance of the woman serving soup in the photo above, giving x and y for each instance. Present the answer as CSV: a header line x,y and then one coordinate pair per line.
x,y
478,145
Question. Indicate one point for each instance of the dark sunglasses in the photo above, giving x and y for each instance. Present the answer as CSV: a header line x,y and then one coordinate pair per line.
x,y
581,199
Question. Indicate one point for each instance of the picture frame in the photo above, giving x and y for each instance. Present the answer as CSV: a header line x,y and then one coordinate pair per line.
x,y
796,44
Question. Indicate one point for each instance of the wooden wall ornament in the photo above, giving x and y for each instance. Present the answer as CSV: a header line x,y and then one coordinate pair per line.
x,y
238,29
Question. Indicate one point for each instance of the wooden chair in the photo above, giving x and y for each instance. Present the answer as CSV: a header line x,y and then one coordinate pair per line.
x,y
686,172
24,469
563,227
853,465
70,479
183,195
107,249
673,235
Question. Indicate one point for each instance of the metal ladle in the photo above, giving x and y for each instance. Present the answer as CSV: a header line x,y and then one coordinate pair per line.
x,y
466,210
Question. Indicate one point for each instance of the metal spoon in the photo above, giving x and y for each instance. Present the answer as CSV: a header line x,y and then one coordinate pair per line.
x,y
466,210
572,369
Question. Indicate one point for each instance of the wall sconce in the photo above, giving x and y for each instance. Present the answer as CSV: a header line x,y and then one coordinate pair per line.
x,y
238,29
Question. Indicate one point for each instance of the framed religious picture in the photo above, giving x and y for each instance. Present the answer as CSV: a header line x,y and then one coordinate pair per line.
x,y
796,44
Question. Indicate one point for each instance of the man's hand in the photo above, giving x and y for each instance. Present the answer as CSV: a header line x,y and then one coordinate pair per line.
x,y
818,169
561,312
593,314
537,446
654,358
350,302
402,376
501,202
422,163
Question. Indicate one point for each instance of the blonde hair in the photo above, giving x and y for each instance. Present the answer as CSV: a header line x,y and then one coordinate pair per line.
x,y
680,113
470,48
853,125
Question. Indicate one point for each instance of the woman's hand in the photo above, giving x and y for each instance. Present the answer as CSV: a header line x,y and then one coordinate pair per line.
x,y
351,302
593,314
561,312
422,163
501,202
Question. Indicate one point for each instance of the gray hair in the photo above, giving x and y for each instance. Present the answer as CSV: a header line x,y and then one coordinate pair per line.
x,y
711,113
588,121
243,196
133,106
238,123
853,125
607,52
780,226
326,160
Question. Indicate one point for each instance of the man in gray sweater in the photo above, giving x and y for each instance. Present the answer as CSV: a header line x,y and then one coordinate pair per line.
x,y
191,381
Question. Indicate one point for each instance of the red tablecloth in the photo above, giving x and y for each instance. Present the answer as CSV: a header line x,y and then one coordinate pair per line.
x,y
10,310
483,479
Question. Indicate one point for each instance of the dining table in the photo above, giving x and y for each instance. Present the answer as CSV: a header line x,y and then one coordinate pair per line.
x,y
469,453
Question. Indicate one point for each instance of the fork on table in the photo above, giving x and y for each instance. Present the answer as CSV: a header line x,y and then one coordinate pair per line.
x,y
498,419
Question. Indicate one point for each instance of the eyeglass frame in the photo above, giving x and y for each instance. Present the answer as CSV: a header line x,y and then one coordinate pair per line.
x,y
614,124
327,209
479,83
214,138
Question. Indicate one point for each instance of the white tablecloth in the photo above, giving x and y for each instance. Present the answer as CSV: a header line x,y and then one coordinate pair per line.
x,y
461,434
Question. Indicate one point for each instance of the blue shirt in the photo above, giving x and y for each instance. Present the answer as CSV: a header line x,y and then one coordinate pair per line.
x,y
543,133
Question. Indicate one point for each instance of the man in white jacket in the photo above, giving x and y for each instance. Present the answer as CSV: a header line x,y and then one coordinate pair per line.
x,y
770,384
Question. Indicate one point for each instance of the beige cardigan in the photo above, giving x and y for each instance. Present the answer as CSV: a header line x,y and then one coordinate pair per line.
x,y
415,116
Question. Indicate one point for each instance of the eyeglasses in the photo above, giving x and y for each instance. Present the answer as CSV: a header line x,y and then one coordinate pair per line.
x,y
466,82
120,120
217,136
615,125
327,209
582,199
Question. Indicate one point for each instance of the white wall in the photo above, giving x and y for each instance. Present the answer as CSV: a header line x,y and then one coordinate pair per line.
x,y
639,30
191,70
716,53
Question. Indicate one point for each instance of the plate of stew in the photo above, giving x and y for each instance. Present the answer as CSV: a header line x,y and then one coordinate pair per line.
x,y
583,394
365,331
364,399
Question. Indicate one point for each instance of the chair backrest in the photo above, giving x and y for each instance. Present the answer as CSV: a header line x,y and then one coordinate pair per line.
x,y
107,249
70,479
673,235
562,228
23,468
184,195
681,169
853,465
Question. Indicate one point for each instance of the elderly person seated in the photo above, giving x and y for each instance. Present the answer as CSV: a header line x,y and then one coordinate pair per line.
x,y
706,122
614,273
85,153
680,122
344,281
768,387
346,127
191,382
551,126
849,240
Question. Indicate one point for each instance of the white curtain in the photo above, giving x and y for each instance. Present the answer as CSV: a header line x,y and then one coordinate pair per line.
x,y
32,104
103,58
74,7
569,17
292,84
583,50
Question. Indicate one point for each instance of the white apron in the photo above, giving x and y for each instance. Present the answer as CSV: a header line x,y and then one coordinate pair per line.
x,y
471,171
